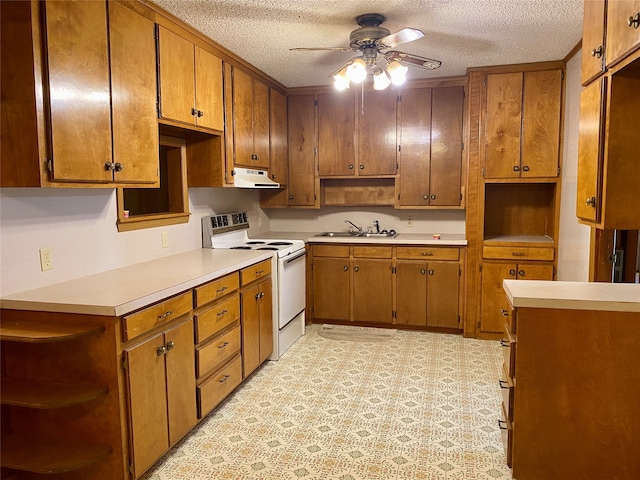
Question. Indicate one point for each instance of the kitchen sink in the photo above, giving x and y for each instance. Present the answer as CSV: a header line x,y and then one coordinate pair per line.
x,y
377,235
358,234
338,234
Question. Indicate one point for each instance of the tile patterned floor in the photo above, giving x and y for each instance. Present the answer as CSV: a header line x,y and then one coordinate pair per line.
x,y
418,406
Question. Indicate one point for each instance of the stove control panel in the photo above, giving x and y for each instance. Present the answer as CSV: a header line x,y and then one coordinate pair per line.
x,y
226,222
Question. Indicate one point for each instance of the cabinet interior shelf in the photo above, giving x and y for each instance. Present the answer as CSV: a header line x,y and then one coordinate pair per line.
x,y
36,331
545,240
29,393
43,456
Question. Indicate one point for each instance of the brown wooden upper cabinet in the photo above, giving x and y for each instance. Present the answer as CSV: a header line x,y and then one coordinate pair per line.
x,y
336,134
623,29
593,39
190,80
430,156
250,121
376,121
522,124
301,188
87,88
278,148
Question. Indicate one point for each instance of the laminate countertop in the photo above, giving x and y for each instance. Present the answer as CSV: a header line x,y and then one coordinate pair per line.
x,y
612,297
446,239
123,290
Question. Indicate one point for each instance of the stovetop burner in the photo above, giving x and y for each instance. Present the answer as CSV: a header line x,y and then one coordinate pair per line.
x,y
256,242
240,247
267,248
280,243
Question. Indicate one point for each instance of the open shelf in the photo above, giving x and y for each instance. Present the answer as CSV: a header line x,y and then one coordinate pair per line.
x,y
38,331
25,392
544,240
37,455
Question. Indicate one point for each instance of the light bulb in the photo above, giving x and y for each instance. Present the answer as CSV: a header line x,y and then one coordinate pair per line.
x,y
357,71
397,72
341,79
380,80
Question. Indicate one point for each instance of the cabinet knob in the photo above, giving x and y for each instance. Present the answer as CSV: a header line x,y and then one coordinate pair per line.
x,y
161,350
425,197
516,168
512,272
525,168
430,272
200,113
591,202
273,176
345,268
351,167
521,273
597,52
194,112
118,167
433,197
109,166
503,425
503,384
504,313
170,345
361,167
423,271
290,197
634,21
504,343
356,269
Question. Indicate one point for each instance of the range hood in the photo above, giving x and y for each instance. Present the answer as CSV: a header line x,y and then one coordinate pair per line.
x,y
247,178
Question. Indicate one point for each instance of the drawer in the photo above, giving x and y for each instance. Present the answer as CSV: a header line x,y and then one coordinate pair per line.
x,y
506,387
508,351
157,314
506,429
331,251
519,253
215,353
372,252
216,289
431,253
215,389
249,274
214,319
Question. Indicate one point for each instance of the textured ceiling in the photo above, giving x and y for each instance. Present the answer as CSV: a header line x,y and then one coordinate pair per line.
x,y
460,33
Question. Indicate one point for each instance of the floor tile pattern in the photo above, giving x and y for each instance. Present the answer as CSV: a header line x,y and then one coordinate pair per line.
x,y
418,406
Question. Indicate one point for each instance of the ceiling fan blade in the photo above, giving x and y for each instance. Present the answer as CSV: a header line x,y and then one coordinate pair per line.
x,y
337,49
404,35
412,60
342,66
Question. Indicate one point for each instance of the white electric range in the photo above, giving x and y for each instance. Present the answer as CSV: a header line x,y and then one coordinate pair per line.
x,y
288,272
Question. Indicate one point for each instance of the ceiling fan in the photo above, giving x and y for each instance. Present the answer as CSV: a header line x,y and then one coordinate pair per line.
x,y
374,42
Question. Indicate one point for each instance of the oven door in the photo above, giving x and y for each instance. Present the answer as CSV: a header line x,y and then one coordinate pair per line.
x,y
291,286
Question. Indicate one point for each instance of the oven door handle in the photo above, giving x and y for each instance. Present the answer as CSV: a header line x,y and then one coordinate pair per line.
x,y
296,257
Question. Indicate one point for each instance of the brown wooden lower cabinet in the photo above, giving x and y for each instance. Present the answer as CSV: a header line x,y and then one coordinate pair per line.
x,y
570,405
404,286
257,325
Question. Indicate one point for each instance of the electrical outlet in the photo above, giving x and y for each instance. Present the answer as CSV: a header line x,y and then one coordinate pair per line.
x,y
409,221
46,263
165,239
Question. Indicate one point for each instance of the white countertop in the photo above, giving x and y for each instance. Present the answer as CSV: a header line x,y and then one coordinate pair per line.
x,y
123,290
401,239
613,297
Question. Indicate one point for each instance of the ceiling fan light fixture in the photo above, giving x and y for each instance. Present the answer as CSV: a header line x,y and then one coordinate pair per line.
x,y
397,72
380,79
357,71
341,80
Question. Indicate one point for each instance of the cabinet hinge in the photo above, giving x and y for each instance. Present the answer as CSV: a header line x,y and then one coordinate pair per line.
x,y
131,468
393,270
480,267
315,102
48,165
459,320
314,197
459,272
125,364
484,80
394,314
558,170
315,150
460,196
562,75
399,148
478,323
483,171
462,146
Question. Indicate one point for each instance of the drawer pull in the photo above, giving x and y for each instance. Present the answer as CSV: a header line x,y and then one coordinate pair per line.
x,y
165,315
503,384
161,350
259,295
222,345
220,290
222,313
504,313
518,254
427,254
591,202
170,345
502,425
224,379
597,52
634,21
504,343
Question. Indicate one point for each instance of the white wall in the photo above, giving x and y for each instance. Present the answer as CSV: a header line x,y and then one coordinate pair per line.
x,y
573,248
79,225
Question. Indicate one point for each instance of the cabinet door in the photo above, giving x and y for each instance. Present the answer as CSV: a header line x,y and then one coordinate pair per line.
x,y
176,77
593,47
534,272
590,151
415,156
250,330
377,136
372,291
443,284
503,119
261,124
243,119
331,288
77,58
266,320
279,153
147,397
208,84
336,133
541,123
411,293
493,298
133,95
446,146
301,117
622,38
181,380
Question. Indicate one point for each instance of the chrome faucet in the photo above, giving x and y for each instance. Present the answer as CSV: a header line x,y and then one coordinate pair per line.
x,y
357,227
377,224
